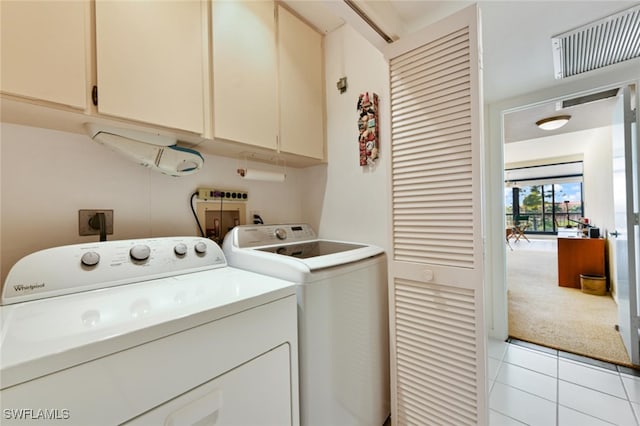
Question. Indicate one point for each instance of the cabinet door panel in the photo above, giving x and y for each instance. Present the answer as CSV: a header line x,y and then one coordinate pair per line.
x,y
579,256
43,51
301,87
150,61
244,72
255,393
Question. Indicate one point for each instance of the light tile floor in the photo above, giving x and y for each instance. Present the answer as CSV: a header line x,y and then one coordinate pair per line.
x,y
534,385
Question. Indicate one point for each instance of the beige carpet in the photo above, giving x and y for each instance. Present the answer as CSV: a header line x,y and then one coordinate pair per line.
x,y
562,318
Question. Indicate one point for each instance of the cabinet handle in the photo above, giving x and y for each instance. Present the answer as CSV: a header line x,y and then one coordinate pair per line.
x,y
94,95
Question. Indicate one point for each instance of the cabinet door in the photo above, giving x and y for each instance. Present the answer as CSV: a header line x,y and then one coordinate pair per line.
x,y
255,393
578,256
43,45
244,72
301,87
150,61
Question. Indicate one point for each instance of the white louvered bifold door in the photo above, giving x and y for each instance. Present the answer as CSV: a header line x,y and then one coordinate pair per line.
x,y
437,321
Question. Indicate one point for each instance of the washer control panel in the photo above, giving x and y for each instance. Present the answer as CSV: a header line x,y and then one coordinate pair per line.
x,y
263,235
81,267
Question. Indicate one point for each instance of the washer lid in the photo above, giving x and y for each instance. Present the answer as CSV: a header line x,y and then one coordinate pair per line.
x,y
255,248
312,248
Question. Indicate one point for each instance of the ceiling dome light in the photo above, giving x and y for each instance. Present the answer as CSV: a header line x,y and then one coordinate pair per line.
x,y
553,123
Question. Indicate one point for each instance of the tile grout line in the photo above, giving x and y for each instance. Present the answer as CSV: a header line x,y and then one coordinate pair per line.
x,y
557,378
557,385
520,390
531,369
586,414
600,391
510,417
633,411
628,400
558,358
526,391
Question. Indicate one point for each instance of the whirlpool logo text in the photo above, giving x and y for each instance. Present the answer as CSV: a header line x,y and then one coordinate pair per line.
x,y
27,287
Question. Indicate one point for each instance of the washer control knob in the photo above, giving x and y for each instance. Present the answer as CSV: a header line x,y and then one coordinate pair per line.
x,y
140,252
180,249
281,234
201,247
90,258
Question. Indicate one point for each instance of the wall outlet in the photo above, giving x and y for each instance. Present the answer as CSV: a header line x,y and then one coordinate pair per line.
x,y
253,214
225,194
84,216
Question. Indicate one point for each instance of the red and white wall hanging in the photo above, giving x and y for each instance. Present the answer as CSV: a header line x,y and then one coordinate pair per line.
x,y
368,128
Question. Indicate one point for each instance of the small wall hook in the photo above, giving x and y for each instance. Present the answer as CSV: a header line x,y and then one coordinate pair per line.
x,y
342,85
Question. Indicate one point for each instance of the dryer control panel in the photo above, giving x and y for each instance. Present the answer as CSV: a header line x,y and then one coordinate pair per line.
x,y
80,267
262,235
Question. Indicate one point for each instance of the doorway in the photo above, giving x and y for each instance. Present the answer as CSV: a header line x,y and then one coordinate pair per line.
x,y
555,204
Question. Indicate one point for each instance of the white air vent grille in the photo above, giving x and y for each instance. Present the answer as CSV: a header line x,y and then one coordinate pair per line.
x,y
432,169
436,354
607,41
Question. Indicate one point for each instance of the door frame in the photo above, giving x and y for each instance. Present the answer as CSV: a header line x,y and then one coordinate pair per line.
x,y
624,136
495,267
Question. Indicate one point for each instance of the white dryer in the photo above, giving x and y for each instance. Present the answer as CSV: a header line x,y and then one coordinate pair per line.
x,y
146,332
342,318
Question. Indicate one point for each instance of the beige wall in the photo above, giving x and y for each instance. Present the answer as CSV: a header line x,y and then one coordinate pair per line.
x,y
47,176
345,200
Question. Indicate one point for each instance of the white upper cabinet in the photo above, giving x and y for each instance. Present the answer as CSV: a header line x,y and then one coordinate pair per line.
x,y
44,51
244,72
267,78
301,87
150,65
248,72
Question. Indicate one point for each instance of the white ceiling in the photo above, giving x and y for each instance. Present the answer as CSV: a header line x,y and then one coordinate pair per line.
x,y
521,125
516,37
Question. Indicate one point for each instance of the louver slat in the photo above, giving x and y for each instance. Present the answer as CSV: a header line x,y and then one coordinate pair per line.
x,y
416,60
433,77
435,353
413,134
414,145
428,106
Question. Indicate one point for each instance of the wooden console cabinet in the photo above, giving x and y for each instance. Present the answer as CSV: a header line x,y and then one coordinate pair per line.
x,y
579,256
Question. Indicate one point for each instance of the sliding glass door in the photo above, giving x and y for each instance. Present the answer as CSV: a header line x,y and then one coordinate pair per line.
x,y
545,206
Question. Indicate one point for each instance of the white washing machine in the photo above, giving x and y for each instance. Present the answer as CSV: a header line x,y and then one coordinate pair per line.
x,y
146,332
342,318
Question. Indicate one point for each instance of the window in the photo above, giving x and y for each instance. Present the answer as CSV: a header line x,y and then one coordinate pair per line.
x,y
546,203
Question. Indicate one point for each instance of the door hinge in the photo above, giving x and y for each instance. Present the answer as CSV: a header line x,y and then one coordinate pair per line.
x,y
94,95
636,219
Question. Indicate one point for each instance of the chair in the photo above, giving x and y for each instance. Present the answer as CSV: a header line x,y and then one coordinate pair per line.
x,y
520,225
508,236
